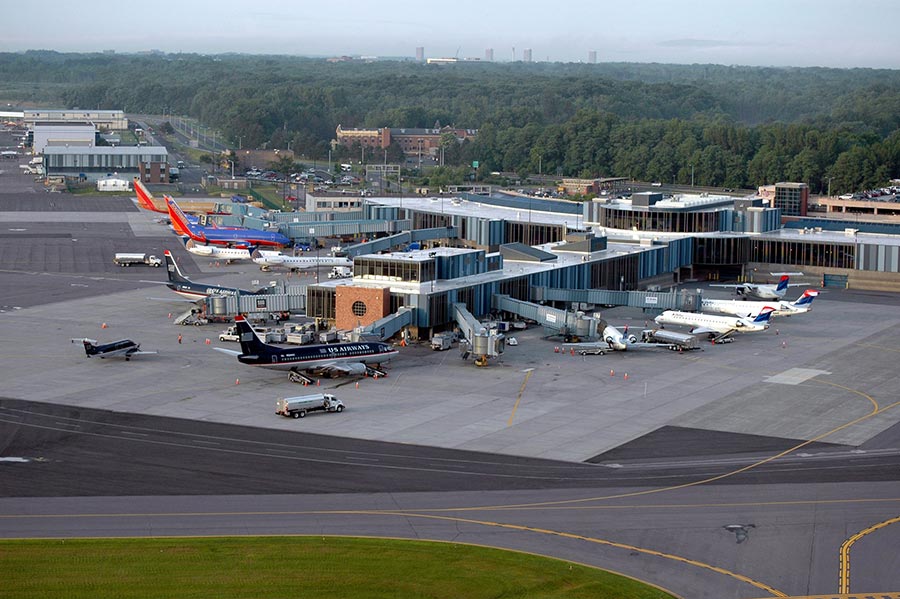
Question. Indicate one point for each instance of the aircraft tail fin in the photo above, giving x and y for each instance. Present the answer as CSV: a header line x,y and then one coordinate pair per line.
x,y
806,299
176,215
175,275
144,197
764,315
782,284
250,341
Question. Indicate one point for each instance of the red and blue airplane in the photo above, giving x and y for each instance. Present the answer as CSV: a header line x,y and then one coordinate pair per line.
x,y
216,236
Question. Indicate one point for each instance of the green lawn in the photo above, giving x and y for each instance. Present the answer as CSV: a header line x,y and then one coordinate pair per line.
x,y
307,567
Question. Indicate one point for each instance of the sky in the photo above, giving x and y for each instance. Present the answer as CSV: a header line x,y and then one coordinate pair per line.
x,y
829,33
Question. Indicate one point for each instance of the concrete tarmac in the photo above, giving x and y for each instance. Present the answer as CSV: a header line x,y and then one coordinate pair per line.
x,y
531,418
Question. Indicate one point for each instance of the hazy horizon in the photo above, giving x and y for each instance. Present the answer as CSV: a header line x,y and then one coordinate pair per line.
x,y
800,33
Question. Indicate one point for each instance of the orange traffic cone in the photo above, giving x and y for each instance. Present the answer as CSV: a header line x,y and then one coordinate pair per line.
x,y
237,381
612,373
626,376
103,326
357,384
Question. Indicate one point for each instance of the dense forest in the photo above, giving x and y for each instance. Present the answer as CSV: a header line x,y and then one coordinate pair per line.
x,y
733,126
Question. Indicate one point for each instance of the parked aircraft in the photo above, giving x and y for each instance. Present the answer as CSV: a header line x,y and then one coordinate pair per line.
x,y
216,252
194,291
117,349
614,340
146,201
717,327
333,358
762,292
268,259
228,237
747,309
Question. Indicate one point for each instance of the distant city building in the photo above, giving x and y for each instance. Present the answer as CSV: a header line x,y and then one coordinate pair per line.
x,y
411,141
489,55
792,198
526,55
441,60
420,54
592,57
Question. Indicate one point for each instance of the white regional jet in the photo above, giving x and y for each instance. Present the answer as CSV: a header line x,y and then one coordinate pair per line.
x,y
747,309
267,259
613,340
717,327
762,292
216,252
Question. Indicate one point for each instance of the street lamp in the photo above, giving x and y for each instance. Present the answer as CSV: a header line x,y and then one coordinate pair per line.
x,y
692,175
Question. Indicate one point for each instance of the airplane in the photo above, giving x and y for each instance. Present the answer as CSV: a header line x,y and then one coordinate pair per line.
x,y
718,327
747,309
762,292
614,340
194,291
332,358
267,259
219,253
117,349
146,201
228,237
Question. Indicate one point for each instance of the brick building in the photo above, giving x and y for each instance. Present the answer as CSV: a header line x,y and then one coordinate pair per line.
x,y
411,140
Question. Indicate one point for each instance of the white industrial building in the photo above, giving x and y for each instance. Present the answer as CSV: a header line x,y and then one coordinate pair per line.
x,y
58,133
103,119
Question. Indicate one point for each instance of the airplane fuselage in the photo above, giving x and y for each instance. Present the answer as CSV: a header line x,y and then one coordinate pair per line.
x,y
722,324
320,356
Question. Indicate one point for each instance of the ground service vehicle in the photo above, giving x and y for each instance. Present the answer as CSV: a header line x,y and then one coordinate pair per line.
x,y
298,407
131,259
340,272
676,341
441,342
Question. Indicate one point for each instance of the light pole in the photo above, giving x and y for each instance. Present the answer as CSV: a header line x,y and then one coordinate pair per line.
x,y
829,185
232,168
692,175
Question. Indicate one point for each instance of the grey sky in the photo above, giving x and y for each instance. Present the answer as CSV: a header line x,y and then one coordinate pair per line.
x,y
835,33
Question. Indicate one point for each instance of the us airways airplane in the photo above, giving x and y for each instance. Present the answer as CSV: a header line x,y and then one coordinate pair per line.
x,y
747,309
717,327
267,259
762,292
216,252
117,349
333,358
184,287
227,237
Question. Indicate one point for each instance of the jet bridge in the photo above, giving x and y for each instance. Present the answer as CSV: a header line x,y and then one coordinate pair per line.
x,y
386,327
562,322
403,239
481,342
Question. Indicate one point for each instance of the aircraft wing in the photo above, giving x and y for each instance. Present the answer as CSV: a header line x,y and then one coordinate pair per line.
x,y
733,285
711,331
230,352
342,368
142,353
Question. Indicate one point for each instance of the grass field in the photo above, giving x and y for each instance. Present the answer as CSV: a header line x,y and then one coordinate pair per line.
x,y
307,567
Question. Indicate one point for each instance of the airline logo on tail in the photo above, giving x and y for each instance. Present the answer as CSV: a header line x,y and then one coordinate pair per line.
x,y
782,284
144,197
179,220
806,299
765,314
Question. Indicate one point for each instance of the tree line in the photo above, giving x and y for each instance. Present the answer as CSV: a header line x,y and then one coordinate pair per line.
x,y
729,126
